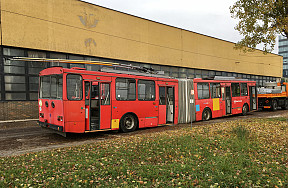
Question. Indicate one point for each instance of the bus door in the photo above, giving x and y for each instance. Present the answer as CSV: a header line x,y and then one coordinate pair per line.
x,y
222,101
166,104
105,105
253,97
228,99
170,104
97,105
92,106
74,106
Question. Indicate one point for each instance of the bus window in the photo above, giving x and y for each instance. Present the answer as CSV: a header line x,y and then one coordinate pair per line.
x,y
235,89
203,90
45,87
94,91
51,87
105,94
162,99
74,87
146,90
125,89
215,90
244,89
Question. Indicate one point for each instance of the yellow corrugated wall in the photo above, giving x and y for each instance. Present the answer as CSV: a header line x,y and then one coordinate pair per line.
x,y
72,26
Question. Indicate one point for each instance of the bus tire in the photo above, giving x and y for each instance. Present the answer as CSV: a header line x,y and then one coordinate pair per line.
x,y
285,107
206,115
274,105
245,109
128,123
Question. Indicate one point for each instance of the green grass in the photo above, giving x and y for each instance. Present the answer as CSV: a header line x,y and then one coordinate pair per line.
x,y
278,119
226,155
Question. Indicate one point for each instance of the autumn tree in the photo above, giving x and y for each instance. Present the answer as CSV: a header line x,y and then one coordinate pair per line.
x,y
260,21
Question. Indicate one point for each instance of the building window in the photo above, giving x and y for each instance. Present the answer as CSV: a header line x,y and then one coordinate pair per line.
x,y
91,67
15,96
58,56
14,67
33,83
190,73
13,52
36,67
212,73
76,57
198,73
156,67
182,73
166,70
15,83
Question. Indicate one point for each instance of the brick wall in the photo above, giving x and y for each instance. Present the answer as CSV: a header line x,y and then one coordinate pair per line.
x,y
14,110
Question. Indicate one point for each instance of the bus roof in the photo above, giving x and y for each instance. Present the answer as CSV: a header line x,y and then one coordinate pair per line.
x,y
83,71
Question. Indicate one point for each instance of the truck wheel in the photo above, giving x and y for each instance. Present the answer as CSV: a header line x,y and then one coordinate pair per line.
x,y
206,115
128,123
274,105
245,109
285,107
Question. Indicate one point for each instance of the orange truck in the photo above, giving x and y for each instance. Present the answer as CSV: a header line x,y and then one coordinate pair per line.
x,y
273,95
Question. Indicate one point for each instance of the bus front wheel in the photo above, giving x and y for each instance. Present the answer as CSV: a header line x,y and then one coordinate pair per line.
x,y
206,115
128,123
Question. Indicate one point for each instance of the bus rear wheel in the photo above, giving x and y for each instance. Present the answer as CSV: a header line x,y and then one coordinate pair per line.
x,y
245,109
128,123
206,115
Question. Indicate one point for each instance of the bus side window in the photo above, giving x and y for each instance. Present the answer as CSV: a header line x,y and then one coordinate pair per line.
x,y
244,89
146,90
235,89
74,87
215,90
162,100
203,90
105,94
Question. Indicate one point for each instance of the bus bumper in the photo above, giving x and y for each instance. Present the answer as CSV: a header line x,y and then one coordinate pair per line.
x,y
50,126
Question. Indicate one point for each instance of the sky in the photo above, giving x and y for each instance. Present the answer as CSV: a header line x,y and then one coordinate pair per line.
x,y
208,17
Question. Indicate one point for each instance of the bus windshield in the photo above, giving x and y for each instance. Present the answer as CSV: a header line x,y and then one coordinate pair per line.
x,y
51,87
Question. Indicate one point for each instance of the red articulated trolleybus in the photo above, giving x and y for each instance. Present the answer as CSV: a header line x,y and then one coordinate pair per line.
x,y
223,96
78,101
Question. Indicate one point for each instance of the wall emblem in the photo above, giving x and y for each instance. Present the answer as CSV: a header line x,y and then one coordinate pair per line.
x,y
89,42
89,21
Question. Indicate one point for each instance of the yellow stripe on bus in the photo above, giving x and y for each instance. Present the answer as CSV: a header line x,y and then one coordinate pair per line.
x,y
115,124
216,105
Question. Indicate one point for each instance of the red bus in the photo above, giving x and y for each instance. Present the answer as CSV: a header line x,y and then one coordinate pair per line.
x,y
78,101
217,98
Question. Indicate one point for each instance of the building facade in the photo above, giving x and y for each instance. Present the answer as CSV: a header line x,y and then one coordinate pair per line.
x,y
283,51
72,29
